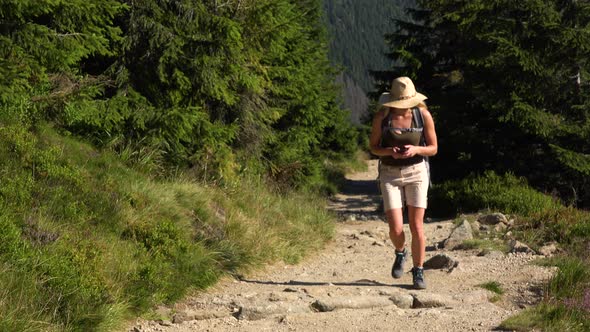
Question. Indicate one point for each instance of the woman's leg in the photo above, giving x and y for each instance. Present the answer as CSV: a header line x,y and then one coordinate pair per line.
x,y
395,220
416,220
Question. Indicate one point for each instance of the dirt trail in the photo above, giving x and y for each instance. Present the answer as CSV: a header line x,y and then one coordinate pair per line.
x,y
348,287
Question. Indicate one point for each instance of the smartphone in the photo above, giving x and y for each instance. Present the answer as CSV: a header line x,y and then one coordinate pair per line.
x,y
402,149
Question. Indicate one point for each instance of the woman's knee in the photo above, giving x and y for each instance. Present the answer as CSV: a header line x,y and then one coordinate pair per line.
x,y
417,230
396,231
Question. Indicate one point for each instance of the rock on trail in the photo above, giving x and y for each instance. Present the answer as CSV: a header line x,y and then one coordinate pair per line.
x,y
348,287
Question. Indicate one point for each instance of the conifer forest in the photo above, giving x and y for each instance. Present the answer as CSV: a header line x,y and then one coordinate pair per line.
x,y
218,86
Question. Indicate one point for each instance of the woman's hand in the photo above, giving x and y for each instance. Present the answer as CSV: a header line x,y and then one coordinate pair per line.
x,y
405,152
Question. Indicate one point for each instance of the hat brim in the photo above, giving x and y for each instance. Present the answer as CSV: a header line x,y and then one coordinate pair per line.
x,y
405,103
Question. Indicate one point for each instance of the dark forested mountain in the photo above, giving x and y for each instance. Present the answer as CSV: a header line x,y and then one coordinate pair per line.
x,y
357,43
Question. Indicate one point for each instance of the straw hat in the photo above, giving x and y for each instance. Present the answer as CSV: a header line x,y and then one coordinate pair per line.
x,y
403,94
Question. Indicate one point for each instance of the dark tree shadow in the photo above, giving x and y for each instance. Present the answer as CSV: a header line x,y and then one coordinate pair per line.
x,y
361,187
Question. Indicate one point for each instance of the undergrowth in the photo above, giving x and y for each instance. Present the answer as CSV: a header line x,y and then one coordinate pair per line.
x,y
539,219
87,242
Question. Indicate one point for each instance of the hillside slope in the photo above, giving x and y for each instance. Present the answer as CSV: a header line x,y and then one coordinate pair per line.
x,y
356,32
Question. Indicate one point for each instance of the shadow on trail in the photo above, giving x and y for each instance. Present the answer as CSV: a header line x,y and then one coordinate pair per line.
x,y
358,200
362,282
360,187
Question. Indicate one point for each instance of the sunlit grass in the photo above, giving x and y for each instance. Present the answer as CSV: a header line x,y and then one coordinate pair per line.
x,y
493,286
88,241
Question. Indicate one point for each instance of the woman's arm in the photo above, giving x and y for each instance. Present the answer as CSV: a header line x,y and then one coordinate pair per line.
x,y
431,147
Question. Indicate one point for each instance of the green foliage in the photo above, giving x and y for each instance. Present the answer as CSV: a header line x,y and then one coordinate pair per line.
x,y
572,272
568,304
236,83
216,92
507,82
214,87
547,317
493,286
87,241
49,36
506,193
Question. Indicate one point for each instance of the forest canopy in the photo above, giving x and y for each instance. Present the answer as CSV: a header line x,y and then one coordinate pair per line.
x,y
221,87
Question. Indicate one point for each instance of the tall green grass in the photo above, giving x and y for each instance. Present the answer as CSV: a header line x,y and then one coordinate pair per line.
x,y
87,242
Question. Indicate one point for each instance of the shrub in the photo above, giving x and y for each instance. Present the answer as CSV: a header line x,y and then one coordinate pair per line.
x,y
505,193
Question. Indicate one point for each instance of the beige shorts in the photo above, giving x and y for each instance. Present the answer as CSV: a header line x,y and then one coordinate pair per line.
x,y
404,184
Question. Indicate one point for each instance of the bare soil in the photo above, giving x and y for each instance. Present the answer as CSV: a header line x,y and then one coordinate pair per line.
x,y
348,286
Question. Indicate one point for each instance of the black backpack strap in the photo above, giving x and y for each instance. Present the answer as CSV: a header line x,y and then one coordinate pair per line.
x,y
419,122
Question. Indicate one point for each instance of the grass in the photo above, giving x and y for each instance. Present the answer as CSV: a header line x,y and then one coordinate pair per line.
x,y
487,245
494,287
540,219
548,317
88,242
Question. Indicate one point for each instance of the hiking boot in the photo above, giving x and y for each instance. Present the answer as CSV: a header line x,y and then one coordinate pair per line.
x,y
397,270
418,277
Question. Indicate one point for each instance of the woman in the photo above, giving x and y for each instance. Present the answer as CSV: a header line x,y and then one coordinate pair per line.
x,y
403,174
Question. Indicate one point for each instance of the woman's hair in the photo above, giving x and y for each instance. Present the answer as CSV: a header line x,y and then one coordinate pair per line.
x,y
422,104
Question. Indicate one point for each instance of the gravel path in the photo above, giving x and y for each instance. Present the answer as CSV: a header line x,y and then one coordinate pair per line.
x,y
347,286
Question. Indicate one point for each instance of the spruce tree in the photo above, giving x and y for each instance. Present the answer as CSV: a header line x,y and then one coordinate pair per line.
x,y
219,87
41,37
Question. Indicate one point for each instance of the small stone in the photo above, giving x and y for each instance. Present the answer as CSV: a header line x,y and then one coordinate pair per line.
x,y
549,249
358,302
440,261
181,317
402,301
519,247
500,228
511,223
493,219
